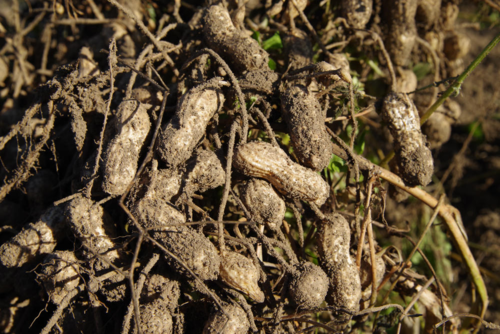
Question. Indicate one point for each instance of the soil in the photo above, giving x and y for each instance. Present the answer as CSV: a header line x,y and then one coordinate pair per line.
x,y
221,161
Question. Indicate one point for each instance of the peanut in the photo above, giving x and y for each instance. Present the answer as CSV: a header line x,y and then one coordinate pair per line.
x,y
34,240
243,52
309,285
333,239
306,123
122,155
259,159
181,135
240,273
264,204
413,158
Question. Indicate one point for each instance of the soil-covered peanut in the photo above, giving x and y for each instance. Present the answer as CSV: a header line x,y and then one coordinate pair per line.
x,y
406,81
437,129
164,184
158,301
309,285
148,95
241,51
156,214
456,46
34,240
413,157
264,80
204,171
402,30
219,323
263,160
240,273
333,240
365,274
60,274
298,49
85,219
428,12
357,12
337,61
306,123
122,155
263,203
194,249
180,136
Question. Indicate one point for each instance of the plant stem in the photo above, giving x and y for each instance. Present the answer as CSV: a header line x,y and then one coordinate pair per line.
x,y
458,83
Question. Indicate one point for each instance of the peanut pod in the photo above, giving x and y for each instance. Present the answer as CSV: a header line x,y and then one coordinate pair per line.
x,y
122,155
34,240
180,136
333,240
306,123
413,158
243,52
263,160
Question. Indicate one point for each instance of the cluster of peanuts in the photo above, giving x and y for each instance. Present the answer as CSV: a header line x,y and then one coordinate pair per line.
x,y
250,283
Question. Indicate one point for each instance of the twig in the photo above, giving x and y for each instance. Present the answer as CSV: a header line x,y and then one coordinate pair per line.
x,y
227,183
138,287
60,308
486,324
112,63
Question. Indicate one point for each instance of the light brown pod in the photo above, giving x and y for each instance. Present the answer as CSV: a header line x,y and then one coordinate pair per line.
x,y
194,249
402,31
437,129
85,219
181,135
337,61
413,157
406,81
308,285
259,159
365,273
204,171
240,273
242,52
158,301
122,155
333,240
306,123
456,46
264,204
155,318
219,323
428,12
357,12
34,240
60,274
156,214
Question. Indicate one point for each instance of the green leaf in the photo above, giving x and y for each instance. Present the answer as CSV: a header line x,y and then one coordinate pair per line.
x,y
375,68
421,70
272,64
273,42
152,13
337,165
251,101
256,36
